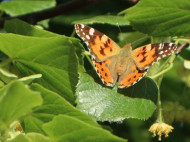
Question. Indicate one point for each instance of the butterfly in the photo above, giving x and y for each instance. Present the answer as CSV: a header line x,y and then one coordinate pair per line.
x,y
124,65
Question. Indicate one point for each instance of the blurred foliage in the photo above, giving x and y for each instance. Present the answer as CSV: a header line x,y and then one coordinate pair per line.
x,y
58,56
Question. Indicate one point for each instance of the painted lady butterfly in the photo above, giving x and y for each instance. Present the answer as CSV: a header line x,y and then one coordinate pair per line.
x,y
113,63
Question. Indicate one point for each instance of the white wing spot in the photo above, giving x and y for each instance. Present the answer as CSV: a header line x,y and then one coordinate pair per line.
x,y
87,36
83,33
82,26
158,58
91,31
87,43
166,51
170,44
161,46
161,52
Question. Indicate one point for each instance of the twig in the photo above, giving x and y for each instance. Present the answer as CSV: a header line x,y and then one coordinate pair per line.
x,y
180,48
34,17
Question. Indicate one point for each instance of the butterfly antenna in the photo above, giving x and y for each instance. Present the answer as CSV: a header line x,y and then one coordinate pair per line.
x,y
139,39
118,27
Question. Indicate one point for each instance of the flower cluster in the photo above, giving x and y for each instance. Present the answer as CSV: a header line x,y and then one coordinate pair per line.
x,y
160,128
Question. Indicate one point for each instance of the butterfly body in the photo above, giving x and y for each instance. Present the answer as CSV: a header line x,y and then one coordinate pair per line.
x,y
113,63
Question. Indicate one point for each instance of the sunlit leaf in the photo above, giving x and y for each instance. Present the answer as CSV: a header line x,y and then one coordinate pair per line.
x,y
16,100
30,137
106,104
160,17
67,128
105,19
20,27
53,57
53,104
20,7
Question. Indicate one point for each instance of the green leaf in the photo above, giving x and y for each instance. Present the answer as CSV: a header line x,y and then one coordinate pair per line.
x,y
17,7
66,128
136,39
53,104
107,105
1,84
20,27
30,137
185,53
105,19
175,84
16,100
160,17
53,57
67,19
187,64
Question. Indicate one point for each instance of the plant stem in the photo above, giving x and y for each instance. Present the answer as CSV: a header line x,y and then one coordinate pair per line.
x,y
160,117
163,68
73,33
86,53
162,72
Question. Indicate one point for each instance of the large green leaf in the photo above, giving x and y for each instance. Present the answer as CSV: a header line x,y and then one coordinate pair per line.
x,y
20,27
16,100
20,7
106,104
160,17
53,57
105,19
53,104
185,53
65,128
30,137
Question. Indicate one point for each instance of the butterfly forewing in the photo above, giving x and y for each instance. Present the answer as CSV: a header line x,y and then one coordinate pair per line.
x,y
100,46
146,55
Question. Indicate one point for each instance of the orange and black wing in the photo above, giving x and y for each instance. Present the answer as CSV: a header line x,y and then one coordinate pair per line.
x,y
106,71
100,46
146,55
131,76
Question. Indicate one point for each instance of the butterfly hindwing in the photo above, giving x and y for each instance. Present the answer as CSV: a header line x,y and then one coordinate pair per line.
x,y
106,72
132,75
100,46
146,55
